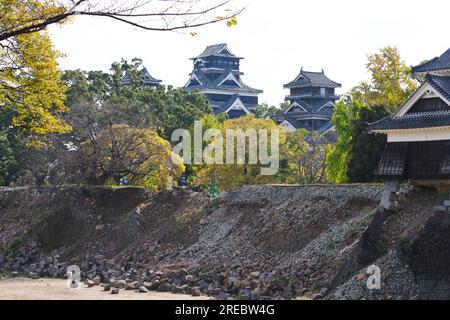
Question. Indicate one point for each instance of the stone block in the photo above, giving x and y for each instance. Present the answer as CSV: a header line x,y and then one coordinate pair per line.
x,y
439,209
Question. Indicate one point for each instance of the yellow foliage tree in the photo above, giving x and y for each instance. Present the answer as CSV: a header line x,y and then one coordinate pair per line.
x,y
391,81
123,152
30,81
234,175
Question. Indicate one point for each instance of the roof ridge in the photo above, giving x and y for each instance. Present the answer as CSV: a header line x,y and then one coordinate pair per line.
x,y
316,72
314,78
215,49
441,62
381,120
432,75
425,113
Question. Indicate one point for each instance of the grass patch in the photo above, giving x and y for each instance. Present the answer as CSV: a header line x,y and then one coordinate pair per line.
x,y
11,247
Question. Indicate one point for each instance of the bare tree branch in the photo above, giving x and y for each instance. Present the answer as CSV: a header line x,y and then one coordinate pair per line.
x,y
172,14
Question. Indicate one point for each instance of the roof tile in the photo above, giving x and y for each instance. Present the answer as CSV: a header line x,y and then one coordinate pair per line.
x,y
307,78
438,63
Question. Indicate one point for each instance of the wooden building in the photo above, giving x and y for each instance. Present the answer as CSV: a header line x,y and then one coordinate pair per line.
x,y
418,134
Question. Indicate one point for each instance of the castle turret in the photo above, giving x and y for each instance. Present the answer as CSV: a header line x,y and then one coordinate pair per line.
x,y
146,79
217,75
312,97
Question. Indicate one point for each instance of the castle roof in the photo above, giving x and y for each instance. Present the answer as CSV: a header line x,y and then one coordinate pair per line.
x,y
432,119
309,78
228,104
298,125
217,50
146,78
412,120
440,83
435,64
221,83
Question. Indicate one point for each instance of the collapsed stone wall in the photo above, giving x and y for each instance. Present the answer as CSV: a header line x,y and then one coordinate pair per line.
x,y
255,242
387,244
428,257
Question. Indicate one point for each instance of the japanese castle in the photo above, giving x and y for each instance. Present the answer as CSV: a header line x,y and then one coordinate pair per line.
x,y
312,97
418,134
146,79
217,75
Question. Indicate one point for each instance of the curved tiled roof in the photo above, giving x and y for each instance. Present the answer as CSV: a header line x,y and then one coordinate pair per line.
x,y
229,103
432,119
146,78
216,50
209,84
298,125
438,63
308,78
440,83
305,105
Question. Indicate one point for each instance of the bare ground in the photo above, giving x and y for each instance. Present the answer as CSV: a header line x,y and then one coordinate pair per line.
x,y
54,289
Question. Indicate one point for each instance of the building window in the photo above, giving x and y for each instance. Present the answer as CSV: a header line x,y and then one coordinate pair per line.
x,y
416,160
428,159
393,160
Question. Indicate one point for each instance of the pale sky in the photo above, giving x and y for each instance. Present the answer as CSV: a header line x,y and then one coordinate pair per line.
x,y
276,38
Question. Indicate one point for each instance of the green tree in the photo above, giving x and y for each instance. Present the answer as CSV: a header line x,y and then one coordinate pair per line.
x,y
338,156
175,108
163,108
11,148
32,92
366,148
264,111
10,161
99,101
209,121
